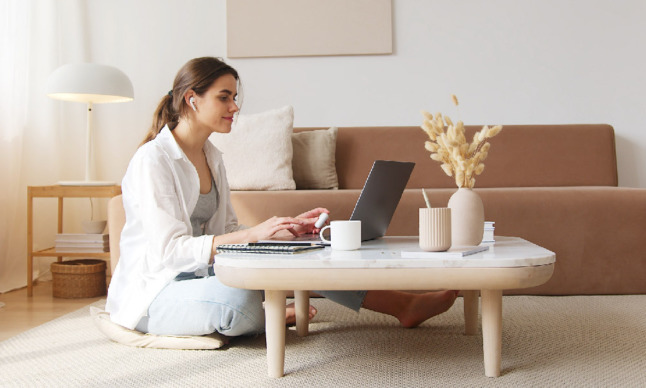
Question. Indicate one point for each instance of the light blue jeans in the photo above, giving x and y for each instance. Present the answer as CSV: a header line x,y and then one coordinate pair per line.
x,y
203,305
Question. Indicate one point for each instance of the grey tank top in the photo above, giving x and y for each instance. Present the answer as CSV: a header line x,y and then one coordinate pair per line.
x,y
206,206
204,210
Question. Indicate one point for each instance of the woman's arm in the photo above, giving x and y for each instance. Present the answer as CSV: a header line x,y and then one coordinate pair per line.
x,y
156,200
303,223
261,231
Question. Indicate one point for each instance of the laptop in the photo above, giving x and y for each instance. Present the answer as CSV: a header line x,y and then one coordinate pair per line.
x,y
376,204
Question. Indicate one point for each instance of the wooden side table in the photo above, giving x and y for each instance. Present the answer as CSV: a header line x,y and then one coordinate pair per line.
x,y
60,192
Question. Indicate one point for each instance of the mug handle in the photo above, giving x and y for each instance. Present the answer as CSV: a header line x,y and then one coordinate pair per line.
x,y
321,234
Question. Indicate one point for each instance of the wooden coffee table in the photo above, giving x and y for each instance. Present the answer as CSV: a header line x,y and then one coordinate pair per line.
x,y
509,263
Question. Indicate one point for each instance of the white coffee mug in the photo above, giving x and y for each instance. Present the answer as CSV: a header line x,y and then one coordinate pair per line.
x,y
344,235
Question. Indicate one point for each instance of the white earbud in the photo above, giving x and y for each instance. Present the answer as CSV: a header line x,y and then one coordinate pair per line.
x,y
192,102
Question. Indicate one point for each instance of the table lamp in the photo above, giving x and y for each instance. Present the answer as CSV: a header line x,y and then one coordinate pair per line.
x,y
90,83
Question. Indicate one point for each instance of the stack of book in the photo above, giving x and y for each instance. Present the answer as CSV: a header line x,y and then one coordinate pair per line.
x,y
79,242
487,236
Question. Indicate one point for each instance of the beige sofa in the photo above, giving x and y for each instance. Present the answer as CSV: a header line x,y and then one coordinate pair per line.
x,y
555,185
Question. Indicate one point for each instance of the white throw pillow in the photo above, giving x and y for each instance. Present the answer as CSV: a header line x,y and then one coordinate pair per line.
x,y
314,161
122,335
258,152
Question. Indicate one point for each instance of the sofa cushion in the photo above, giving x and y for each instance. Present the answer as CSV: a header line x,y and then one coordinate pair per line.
x,y
314,162
258,152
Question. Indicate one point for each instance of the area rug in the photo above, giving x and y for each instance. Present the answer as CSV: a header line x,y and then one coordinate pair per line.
x,y
575,341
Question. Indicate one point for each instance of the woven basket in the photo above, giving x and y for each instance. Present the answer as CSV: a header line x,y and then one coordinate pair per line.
x,y
79,278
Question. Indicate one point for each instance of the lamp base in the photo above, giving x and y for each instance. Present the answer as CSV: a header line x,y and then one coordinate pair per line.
x,y
86,183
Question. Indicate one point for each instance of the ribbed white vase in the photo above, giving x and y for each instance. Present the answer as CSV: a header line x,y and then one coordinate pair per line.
x,y
467,217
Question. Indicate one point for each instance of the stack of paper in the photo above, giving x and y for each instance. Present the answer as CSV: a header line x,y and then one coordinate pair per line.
x,y
73,242
487,236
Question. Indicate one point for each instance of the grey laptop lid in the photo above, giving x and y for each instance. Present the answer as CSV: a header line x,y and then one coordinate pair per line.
x,y
380,196
376,204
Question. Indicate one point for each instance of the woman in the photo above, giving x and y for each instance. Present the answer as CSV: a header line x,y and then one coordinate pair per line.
x,y
178,210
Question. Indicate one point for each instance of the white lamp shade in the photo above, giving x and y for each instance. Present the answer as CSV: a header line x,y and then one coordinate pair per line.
x,y
90,83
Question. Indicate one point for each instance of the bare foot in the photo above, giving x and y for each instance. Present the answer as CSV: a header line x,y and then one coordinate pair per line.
x,y
290,314
424,306
410,309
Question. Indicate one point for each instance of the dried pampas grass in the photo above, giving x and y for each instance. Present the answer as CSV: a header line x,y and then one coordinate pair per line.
x,y
459,158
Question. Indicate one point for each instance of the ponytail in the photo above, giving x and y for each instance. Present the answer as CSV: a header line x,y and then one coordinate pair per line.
x,y
164,114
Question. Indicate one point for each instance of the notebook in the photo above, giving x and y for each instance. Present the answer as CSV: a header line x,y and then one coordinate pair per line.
x,y
265,248
376,204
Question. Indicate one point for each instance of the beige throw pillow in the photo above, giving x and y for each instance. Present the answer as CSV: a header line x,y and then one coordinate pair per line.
x,y
314,162
258,152
122,335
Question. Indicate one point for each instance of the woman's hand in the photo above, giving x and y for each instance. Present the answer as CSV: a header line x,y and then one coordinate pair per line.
x,y
309,219
262,231
303,223
274,225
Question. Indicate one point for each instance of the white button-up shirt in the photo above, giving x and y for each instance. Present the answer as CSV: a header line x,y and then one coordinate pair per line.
x,y
160,191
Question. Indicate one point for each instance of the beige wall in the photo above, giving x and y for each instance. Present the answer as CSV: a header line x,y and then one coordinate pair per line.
x,y
509,61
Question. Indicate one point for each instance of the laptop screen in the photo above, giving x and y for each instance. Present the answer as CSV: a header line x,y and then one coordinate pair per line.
x,y
380,196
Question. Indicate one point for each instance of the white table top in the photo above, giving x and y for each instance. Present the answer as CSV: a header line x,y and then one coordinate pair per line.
x,y
506,252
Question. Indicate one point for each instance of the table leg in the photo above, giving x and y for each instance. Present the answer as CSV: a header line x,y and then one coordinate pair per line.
x,y
471,303
60,223
275,331
30,242
492,331
302,312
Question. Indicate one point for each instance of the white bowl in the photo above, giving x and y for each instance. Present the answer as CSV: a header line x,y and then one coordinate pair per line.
x,y
94,227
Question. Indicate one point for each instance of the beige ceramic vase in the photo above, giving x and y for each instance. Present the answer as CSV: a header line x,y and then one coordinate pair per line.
x,y
467,218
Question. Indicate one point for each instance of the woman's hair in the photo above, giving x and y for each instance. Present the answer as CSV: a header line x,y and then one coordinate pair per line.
x,y
198,75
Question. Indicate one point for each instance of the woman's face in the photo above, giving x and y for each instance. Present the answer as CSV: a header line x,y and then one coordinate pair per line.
x,y
216,107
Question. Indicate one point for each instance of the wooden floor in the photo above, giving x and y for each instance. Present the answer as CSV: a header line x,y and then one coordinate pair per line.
x,y
21,313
